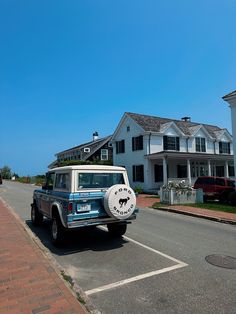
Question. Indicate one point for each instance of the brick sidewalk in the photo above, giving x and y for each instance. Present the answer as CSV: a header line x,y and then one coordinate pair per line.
x,y
145,200
28,282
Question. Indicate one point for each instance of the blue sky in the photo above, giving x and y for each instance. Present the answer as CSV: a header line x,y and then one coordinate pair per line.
x,y
69,68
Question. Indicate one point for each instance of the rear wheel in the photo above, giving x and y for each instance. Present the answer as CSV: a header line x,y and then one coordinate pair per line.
x,y
117,230
36,216
57,232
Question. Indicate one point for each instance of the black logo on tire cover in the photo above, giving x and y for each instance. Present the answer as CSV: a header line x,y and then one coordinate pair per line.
x,y
123,201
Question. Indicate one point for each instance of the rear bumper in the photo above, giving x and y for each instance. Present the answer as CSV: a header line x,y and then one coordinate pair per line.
x,y
97,222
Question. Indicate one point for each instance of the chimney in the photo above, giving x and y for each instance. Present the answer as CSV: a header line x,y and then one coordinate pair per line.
x,y
186,119
95,136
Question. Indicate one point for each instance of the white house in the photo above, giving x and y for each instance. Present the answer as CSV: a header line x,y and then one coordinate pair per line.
x,y
231,99
155,150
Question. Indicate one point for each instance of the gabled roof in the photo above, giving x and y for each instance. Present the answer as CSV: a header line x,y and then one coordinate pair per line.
x,y
219,134
194,129
232,94
155,124
93,145
168,125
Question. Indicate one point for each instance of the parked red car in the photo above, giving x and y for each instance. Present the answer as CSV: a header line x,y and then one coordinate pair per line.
x,y
215,187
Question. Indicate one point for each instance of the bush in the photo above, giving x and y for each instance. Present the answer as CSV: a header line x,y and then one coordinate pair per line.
x,y
138,189
232,198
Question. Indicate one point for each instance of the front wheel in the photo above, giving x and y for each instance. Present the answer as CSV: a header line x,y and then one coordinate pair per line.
x,y
36,216
57,234
117,230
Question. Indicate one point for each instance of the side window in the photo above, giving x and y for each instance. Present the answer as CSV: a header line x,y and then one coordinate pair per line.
x,y
62,181
104,154
220,182
209,181
50,180
231,183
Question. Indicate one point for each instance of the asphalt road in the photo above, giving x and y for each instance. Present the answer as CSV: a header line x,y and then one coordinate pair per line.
x,y
159,267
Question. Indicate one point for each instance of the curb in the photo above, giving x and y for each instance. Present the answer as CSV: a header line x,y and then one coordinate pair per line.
x,y
217,219
74,288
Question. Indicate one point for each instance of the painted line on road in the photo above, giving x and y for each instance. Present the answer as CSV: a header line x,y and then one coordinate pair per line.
x,y
136,278
155,251
179,264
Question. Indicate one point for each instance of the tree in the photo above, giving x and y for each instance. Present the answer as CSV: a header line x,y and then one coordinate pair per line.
x,y
6,172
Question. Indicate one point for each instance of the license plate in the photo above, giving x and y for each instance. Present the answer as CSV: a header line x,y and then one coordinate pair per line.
x,y
83,207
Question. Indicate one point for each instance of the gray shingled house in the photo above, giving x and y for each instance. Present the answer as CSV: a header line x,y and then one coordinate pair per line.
x,y
99,149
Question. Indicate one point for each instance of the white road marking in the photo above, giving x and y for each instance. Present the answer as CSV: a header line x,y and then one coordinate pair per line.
x,y
142,276
155,251
136,278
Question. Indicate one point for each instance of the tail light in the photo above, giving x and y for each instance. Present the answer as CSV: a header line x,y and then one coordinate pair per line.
x,y
70,208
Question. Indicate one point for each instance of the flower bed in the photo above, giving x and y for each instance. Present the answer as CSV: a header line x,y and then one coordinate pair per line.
x,y
180,193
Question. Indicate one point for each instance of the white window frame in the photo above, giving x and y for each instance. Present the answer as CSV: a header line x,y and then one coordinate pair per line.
x,y
104,154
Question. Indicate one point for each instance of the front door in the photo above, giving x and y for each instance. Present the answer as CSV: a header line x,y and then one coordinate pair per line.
x,y
158,173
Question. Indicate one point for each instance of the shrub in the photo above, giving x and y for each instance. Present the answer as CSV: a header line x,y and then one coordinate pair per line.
x,y
138,189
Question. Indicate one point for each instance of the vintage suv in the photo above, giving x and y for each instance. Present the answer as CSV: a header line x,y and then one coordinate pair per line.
x,y
81,196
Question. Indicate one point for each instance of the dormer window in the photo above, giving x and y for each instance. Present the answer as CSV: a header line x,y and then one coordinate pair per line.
x,y
170,143
224,148
200,144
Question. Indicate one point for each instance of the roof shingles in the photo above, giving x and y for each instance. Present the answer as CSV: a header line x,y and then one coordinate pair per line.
x,y
155,124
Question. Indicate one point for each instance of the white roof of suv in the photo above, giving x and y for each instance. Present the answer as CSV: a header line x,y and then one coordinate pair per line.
x,y
89,167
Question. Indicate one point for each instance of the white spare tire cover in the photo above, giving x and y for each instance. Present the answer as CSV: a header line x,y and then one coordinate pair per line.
x,y
120,201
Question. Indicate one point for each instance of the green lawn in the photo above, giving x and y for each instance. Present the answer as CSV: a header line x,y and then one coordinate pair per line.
x,y
207,205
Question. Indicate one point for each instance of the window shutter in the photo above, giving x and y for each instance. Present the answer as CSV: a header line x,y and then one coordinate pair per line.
x,y
165,142
141,142
132,143
228,148
123,146
177,143
134,174
142,173
220,147
203,144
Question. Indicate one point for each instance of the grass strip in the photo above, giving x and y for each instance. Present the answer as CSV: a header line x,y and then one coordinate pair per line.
x,y
208,205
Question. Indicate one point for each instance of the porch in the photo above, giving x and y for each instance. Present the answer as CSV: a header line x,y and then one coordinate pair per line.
x,y
175,166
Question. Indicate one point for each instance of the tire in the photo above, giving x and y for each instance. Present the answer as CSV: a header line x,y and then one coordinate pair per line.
x,y
36,216
120,201
57,232
117,230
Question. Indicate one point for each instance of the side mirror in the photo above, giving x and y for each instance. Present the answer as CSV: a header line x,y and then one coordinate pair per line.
x,y
44,186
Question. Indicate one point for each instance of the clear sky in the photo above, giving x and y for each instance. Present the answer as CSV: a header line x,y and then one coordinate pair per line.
x,y
69,68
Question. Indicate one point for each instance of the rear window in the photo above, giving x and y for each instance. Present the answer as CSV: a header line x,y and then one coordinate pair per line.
x,y
99,180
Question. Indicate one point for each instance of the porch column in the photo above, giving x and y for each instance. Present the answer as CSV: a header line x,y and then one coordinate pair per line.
x,y
226,169
209,167
189,172
165,179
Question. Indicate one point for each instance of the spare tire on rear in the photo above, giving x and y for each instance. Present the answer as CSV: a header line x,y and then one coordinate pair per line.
x,y
120,201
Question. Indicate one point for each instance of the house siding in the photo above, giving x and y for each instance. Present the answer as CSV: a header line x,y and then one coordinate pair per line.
x,y
153,143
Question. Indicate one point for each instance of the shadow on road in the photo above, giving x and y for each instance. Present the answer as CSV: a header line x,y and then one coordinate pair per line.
x,y
84,239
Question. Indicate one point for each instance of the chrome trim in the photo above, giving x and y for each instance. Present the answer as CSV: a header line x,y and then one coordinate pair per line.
x,y
97,222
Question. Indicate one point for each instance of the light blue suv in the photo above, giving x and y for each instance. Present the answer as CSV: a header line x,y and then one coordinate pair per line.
x,y
81,196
